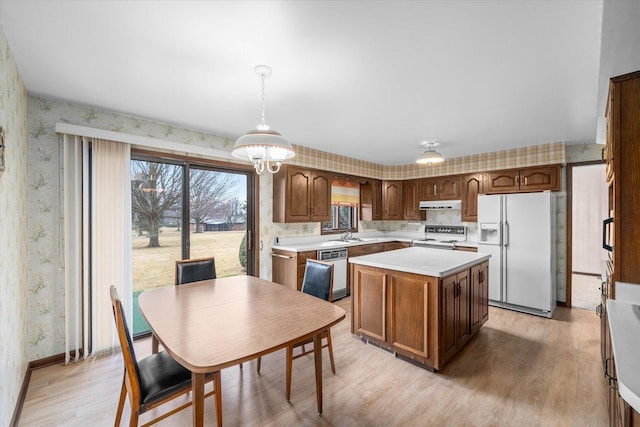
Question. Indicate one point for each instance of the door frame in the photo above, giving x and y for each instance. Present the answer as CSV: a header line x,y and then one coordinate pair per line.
x,y
569,256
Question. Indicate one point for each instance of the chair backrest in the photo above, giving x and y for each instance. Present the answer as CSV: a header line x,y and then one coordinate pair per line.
x,y
128,354
318,279
193,270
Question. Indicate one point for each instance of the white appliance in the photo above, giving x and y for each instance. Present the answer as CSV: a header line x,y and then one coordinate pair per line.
x,y
442,236
518,230
337,257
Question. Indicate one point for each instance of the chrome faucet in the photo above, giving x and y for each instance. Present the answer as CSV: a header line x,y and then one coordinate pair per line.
x,y
346,235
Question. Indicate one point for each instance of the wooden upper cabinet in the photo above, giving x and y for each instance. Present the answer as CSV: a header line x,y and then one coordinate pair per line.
x,y
502,181
393,208
540,178
533,179
440,188
624,135
472,185
449,188
410,196
320,196
371,200
301,195
428,189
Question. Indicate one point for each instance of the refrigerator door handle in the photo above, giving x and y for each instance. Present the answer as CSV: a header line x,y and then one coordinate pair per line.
x,y
506,234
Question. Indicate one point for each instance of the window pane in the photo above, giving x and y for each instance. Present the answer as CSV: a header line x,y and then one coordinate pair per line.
x,y
218,209
156,216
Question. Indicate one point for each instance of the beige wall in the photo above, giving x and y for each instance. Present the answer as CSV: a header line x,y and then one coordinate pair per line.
x,y
13,235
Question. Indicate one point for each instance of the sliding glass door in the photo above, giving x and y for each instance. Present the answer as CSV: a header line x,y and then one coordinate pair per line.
x,y
181,210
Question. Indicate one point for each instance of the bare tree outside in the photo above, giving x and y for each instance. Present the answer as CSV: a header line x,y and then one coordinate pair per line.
x,y
155,189
209,190
232,211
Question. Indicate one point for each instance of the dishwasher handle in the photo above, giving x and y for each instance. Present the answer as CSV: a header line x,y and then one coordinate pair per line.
x,y
275,255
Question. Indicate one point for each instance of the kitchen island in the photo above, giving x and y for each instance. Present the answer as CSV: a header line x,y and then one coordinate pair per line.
x,y
422,304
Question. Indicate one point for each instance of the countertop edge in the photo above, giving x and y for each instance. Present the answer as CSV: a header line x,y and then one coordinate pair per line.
x,y
622,325
388,265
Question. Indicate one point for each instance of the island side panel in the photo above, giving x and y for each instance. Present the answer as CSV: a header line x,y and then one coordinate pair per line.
x,y
413,308
369,315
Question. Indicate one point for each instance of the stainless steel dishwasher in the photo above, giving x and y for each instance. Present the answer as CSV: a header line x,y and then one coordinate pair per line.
x,y
337,257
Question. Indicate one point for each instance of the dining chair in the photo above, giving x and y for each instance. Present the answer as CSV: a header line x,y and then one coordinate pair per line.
x,y
154,380
187,271
317,281
195,269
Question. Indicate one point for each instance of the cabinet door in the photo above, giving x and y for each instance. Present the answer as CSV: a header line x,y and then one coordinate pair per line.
x,y
392,200
463,332
502,182
376,205
479,296
283,268
320,196
428,189
540,179
448,310
472,185
297,195
371,200
411,201
409,304
449,188
369,293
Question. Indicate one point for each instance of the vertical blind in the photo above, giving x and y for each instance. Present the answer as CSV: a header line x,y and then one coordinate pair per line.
x,y
97,250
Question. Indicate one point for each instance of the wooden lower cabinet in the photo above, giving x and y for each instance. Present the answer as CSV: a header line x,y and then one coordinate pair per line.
x,y
479,296
412,308
422,318
455,330
369,296
287,267
392,246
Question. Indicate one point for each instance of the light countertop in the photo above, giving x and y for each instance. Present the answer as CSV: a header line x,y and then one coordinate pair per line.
x,y
311,243
425,261
624,324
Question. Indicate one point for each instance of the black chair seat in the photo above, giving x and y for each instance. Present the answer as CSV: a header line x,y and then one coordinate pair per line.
x,y
161,376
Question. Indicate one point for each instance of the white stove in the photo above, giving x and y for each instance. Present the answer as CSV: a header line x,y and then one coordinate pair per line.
x,y
442,236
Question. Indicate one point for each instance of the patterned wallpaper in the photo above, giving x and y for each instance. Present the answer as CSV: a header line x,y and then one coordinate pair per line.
x,y
46,285
13,231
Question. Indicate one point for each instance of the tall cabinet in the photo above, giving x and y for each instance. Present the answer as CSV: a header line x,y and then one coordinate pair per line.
x,y
622,155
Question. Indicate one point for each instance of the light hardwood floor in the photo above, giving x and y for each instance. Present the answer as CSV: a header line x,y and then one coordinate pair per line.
x,y
520,370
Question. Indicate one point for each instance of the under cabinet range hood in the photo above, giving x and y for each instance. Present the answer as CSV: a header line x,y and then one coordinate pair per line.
x,y
440,204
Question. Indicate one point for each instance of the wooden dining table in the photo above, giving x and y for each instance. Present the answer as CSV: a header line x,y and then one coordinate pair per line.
x,y
213,324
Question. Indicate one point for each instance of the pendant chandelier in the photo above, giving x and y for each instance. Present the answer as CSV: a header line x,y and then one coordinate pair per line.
x,y
430,156
265,148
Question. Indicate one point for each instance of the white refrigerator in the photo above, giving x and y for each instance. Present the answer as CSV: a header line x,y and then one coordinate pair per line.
x,y
519,230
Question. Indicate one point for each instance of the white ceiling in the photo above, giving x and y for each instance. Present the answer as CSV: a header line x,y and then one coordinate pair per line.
x,y
365,79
